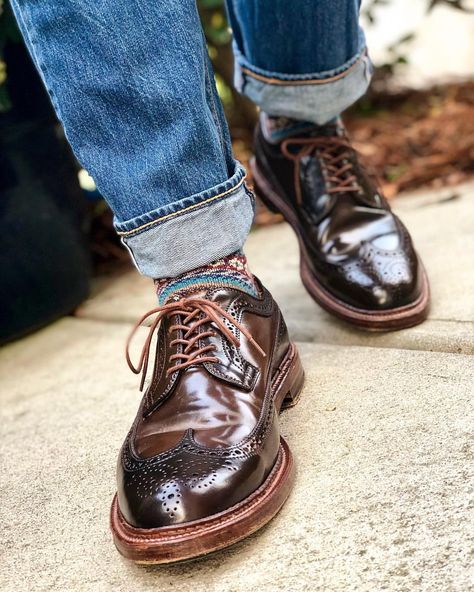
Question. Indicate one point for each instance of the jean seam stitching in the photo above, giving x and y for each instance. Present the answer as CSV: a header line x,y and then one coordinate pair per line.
x,y
212,104
182,211
295,82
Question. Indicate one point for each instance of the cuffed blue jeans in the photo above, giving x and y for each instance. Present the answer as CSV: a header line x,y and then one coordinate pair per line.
x,y
132,83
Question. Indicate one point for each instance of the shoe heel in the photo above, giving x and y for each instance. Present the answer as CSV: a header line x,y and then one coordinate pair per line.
x,y
293,382
259,191
293,395
263,198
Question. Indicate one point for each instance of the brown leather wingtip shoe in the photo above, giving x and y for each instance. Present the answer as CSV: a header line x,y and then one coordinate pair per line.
x,y
204,464
357,258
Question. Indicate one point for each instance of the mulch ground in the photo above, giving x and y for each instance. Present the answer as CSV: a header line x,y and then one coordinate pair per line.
x,y
418,139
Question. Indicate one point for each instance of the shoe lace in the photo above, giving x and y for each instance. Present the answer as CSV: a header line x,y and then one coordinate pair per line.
x,y
336,152
192,313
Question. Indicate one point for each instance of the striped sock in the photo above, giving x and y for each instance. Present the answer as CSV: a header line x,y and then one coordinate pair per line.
x,y
276,129
230,271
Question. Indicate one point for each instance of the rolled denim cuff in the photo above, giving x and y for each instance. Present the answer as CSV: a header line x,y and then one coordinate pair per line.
x,y
194,231
317,97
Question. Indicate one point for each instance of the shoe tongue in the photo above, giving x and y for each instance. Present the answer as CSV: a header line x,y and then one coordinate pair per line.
x,y
329,130
277,129
191,292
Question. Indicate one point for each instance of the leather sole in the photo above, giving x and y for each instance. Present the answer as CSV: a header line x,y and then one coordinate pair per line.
x,y
371,320
185,541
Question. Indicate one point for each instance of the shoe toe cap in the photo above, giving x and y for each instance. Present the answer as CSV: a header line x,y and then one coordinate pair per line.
x,y
381,280
185,488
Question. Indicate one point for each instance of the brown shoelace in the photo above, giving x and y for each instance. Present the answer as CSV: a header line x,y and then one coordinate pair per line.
x,y
334,151
187,309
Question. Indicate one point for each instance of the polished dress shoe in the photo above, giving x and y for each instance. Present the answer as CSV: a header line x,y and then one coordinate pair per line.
x,y
357,258
204,464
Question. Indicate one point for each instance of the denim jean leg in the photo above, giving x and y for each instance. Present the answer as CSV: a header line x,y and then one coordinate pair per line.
x,y
302,59
132,84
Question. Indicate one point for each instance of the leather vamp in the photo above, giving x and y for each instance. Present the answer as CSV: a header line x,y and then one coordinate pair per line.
x,y
221,401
